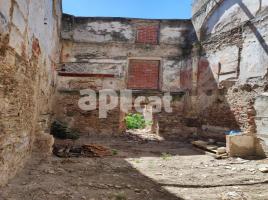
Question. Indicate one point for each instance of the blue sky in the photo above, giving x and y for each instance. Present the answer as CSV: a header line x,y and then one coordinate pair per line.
x,y
161,9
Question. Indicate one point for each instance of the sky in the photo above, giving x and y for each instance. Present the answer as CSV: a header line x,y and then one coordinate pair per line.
x,y
152,9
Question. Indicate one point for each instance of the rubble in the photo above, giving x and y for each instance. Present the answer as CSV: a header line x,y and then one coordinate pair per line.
x,y
221,150
263,168
88,150
142,135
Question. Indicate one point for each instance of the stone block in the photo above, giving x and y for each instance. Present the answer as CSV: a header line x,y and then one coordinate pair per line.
x,y
241,145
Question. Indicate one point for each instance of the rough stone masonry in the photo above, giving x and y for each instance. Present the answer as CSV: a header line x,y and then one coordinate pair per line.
x,y
29,53
215,67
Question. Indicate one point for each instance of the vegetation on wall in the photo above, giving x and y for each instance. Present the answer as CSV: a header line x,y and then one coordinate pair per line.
x,y
136,121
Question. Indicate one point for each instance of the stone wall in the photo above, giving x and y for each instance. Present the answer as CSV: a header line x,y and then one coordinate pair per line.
x,y
234,56
96,55
29,53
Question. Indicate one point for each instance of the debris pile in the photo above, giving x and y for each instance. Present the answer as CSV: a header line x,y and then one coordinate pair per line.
x,y
89,150
96,150
142,135
263,168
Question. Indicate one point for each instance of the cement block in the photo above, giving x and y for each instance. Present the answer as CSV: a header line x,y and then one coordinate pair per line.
x,y
241,145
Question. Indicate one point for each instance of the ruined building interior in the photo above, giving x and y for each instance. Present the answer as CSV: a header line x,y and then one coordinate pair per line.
x,y
214,66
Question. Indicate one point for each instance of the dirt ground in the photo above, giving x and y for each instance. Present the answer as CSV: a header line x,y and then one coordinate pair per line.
x,y
139,169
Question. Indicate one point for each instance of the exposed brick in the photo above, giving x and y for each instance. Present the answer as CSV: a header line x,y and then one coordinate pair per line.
x,y
147,34
143,74
27,52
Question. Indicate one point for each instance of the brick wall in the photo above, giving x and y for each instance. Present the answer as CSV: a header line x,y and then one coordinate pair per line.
x,y
167,124
143,74
118,47
147,34
29,52
86,122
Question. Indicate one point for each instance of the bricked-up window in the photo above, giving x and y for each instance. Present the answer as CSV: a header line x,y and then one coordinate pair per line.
x,y
147,34
143,74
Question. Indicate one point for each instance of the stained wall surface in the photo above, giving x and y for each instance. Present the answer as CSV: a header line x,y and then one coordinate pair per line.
x,y
234,41
102,50
29,52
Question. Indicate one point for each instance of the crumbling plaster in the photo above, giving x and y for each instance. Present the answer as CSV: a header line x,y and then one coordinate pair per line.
x,y
120,46
104,46
29,52
233,41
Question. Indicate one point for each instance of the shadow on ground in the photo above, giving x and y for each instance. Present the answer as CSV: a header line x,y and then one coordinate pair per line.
x,y
163,170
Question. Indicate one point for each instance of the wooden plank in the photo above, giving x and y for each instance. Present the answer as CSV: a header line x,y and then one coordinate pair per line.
x,y
205,146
